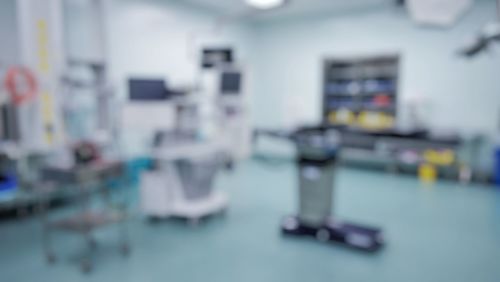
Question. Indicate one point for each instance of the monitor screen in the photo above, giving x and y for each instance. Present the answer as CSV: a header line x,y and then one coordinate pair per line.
x,y
231,83
216,57
147,89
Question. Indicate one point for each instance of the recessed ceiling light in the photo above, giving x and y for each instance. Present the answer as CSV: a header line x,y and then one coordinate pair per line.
x,y
265,4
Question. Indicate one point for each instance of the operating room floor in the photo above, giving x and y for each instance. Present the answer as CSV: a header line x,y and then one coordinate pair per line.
x,y
447,232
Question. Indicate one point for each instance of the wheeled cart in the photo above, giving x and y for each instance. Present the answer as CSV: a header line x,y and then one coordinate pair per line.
x,y
317,158
88,180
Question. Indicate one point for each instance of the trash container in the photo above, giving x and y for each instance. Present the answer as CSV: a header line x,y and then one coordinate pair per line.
x,y
317,150
197,176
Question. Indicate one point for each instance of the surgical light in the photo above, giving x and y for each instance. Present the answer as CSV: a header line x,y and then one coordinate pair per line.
x,y
265,4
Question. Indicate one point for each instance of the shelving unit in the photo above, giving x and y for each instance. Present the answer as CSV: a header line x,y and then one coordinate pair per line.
x,y
361,92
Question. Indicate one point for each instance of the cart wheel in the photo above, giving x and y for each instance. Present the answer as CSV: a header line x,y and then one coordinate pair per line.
x,y
229,165
125,250
153,219
223,212
21,212
93,244
86,266
194,222
323,235
392,169
51,258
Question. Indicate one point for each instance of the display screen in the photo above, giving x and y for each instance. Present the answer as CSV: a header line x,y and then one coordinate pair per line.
x,y
231,83
216,57
147,89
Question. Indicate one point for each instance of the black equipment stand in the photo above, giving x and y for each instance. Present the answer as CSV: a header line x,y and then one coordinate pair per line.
x,y
317,158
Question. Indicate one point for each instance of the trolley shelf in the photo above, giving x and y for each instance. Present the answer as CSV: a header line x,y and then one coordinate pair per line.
x,y
86,181
88,220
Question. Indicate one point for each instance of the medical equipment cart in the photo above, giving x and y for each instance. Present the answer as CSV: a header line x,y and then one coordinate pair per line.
x,y
88,180
318,149
182,184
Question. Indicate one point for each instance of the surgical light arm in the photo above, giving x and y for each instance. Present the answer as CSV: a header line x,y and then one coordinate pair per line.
x,y
489,34
486,37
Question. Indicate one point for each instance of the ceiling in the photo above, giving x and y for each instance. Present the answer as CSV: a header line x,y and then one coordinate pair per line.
x,y
294,9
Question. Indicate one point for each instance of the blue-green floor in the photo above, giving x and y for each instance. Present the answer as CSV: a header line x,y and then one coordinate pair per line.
x,y
447,232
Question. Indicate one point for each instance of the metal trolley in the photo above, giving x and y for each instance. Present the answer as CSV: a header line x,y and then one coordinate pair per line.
x,y
88,180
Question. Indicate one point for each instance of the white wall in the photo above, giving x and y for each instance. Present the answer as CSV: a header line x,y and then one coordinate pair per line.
x,y
464,94
82,42
151,38
156,38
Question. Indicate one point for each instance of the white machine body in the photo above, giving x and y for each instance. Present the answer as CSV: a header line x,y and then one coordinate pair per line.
x,y
163,193
234,130
232,105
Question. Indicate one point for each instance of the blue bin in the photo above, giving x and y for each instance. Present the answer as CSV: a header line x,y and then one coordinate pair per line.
x,y
496,169
8,184
133,169
136,166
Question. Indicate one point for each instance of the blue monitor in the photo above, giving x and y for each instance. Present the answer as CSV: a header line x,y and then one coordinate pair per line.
x,y
231,83
147,89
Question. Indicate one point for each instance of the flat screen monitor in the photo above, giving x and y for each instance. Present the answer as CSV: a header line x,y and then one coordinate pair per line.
x,y
216,57
147,89
231,83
